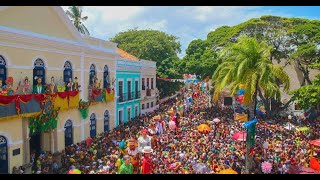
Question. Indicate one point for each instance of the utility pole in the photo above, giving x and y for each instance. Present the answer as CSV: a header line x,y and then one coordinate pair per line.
x,y
248,148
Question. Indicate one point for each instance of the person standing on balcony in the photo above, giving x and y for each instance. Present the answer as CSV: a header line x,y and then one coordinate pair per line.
x,y
38,88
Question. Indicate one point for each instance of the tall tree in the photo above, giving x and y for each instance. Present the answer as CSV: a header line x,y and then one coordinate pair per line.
x,y
155,46
200,59
308,96
247,62
75,14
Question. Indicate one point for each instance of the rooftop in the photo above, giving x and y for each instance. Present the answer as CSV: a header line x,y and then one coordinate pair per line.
x,y
123,54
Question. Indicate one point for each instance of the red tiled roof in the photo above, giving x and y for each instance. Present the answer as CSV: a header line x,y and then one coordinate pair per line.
x,y
123,54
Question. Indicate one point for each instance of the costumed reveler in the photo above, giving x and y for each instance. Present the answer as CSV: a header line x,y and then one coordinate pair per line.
x,y
144,140
133,152
147,165
153,134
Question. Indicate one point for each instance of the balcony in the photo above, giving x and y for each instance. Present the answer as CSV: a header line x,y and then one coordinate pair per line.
x,y
129,96
137,95
148,92
123,97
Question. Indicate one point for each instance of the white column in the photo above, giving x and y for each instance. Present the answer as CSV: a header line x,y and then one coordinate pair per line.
x,y
82,92
115,92
82,75
82,130
52,141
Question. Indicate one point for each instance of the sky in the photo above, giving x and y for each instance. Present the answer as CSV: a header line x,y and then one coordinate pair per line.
x,y
185,22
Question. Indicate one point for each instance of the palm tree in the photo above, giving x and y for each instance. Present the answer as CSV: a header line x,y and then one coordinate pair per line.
x,y
75,14
247,62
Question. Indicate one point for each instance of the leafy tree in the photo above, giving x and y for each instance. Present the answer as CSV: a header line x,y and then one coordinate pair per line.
x,y
199,59
155,46
75,14
305,56
247,62
284,35
308,96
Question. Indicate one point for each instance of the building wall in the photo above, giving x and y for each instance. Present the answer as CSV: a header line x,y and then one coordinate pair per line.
x,y
35,19
148,70
125,76
28,33
11,129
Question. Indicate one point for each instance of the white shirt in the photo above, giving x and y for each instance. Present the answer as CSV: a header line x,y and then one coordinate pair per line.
x,y
142,142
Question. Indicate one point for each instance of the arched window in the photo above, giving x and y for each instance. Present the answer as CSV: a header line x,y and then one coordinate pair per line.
x,y
93,125
67,73
68,133
106,120
106,77
3,70
39,71
92,73
3,155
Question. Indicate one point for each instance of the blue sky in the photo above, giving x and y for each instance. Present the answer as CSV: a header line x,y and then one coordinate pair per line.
x,y
186,22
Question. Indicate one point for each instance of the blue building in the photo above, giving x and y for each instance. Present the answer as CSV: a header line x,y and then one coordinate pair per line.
x,y
127,87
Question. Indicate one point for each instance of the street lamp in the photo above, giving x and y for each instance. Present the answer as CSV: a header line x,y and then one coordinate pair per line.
x,y
289,119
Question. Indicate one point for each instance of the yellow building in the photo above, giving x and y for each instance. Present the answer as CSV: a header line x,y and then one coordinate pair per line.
x,y
42,41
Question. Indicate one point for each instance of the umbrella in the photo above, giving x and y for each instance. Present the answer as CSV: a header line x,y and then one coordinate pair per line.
x,y
216,120
203,128
266,167
74,171
172,125
201,168
228,171
315,142
305,170
240,136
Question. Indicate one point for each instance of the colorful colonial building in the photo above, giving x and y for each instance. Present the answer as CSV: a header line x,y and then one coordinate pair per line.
x,y
149,91
42,42
127,87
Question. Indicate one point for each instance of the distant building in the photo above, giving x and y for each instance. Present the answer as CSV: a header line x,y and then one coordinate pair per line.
x,y
149,91
128,87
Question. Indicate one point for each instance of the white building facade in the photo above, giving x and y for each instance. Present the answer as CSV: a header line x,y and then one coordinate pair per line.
x,y
149,93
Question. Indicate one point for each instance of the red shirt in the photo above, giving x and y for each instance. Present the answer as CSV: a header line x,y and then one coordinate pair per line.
x,y
146,166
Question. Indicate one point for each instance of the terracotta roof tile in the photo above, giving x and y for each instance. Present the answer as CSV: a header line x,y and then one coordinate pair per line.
x,y
123,54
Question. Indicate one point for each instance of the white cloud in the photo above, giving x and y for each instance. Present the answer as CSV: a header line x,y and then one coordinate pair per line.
x,y
185,22
116,13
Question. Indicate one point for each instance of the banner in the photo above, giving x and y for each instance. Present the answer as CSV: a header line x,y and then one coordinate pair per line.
x,y
61,103
110,96
30,108
8,110
241,117
251,131
74,100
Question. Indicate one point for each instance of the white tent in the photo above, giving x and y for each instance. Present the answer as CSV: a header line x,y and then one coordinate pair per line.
x,y
290,127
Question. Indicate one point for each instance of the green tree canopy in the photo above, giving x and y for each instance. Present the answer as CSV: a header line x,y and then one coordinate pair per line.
x,y
155,46
308,96
152,45
284,35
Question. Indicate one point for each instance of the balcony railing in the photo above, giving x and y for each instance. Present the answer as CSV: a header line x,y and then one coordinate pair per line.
x,y
148,92
123,97
137,95
129,96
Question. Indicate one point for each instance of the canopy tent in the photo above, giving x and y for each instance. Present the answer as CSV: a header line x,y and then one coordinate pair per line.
x,y
315,142
290,126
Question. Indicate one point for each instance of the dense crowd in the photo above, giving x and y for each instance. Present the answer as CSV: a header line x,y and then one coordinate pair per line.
x,y
179,150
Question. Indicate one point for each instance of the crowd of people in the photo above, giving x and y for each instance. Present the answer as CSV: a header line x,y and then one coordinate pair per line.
x,y
167,141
